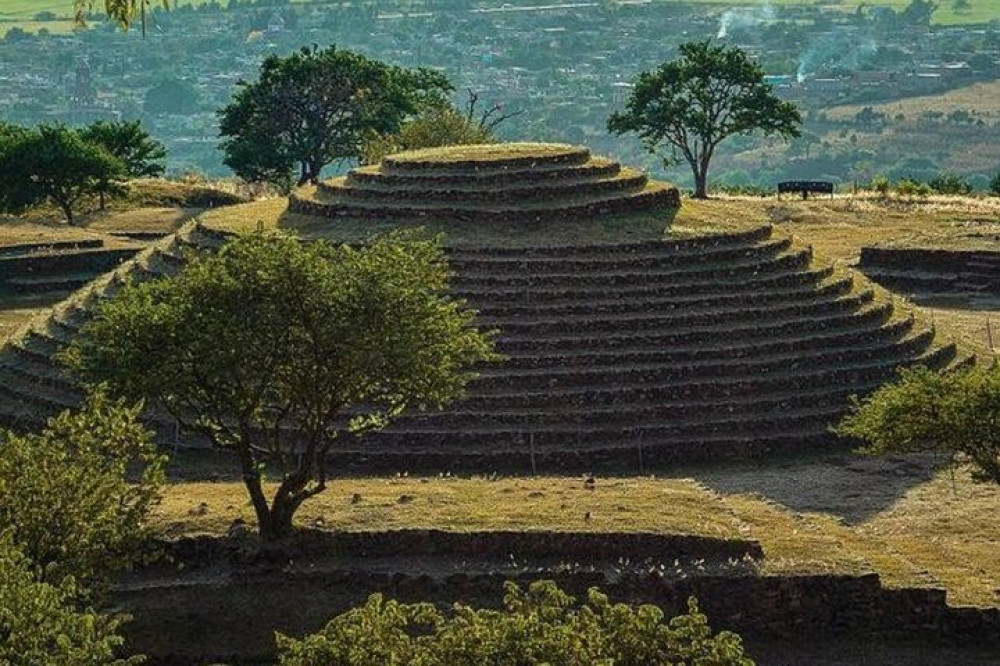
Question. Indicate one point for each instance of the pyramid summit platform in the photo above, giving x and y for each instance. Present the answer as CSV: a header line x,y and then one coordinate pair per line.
x,y
518,182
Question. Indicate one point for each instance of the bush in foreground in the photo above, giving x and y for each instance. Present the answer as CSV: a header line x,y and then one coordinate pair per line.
x,y
541,625
65,497
41,624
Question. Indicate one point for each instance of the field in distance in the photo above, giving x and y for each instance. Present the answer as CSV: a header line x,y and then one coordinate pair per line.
x,y
23,11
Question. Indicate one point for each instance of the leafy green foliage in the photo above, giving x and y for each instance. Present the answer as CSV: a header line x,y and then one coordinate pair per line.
x,y
270,341
53,163
692,104
65,496
995,186
435,127
953,412
131,145
909,187
41,624
122,12
950,183
316,107
540,625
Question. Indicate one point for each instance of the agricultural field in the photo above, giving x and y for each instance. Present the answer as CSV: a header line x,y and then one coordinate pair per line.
x,y
980,99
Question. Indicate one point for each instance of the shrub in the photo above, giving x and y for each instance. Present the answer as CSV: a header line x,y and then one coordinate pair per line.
x,y
908,187
39,623
995,186
957,413
950,183
65,497
881,185
541,625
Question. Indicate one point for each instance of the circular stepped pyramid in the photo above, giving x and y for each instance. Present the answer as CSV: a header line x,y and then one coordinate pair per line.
x,y
645,353
487,183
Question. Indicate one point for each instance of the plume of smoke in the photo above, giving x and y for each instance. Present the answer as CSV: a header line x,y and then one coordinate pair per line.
x,y
746,17
843,48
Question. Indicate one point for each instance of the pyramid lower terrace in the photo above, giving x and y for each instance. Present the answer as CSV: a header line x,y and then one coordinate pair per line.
x,y
636,353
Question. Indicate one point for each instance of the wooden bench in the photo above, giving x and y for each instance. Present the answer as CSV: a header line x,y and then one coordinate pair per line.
x,y
804,187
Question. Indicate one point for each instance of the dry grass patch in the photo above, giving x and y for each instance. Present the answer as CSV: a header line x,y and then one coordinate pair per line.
x,y
980,98
879,516
19,231
678,506
487,152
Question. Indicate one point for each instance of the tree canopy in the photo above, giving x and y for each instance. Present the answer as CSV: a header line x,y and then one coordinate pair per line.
x,y
316,107
540,625
684,109
55,164
273,348
140,155
957,413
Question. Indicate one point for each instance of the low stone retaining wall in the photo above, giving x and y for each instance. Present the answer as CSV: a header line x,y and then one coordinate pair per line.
x,y
930,270
231,614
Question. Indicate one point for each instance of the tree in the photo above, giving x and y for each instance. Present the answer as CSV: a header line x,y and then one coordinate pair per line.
x,y
131,145
995,185
918,12
696,102
443,126
316,107
40,622
540,625
957,413
273,348
53,163
961,6
66,498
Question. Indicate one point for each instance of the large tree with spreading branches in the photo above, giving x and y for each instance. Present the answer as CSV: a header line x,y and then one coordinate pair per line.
x,y
273,349
684,109
316,107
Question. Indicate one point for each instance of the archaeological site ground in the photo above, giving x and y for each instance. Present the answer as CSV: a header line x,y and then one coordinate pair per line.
x,y
660,425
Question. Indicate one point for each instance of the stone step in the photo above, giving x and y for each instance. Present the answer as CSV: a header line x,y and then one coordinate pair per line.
x,y
655,196
857,372
597,167
723,271
778,278
337,191
563,337
581,439
833,288
504,377
660,247
676,318
719,348
649,260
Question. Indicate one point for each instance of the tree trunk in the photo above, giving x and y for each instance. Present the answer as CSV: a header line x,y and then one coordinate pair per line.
x,y
700,184
68,212
255,488
103,201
